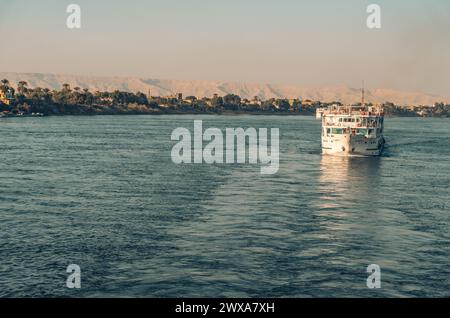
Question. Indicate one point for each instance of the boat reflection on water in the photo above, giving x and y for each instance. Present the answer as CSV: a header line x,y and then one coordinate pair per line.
x,y
347,235
347,185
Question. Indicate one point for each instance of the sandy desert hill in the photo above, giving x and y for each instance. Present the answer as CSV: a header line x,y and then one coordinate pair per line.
x,y
162,87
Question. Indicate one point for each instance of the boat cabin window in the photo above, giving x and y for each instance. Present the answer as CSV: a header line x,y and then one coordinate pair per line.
x,y
337,131
361,131
348,120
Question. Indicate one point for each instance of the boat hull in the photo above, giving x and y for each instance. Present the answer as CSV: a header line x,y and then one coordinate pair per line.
x,y
357,146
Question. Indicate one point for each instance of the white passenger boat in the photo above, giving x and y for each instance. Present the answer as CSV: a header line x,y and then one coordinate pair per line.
x,y
353,130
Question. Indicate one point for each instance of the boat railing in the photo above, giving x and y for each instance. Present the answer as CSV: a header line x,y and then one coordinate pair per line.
x,y
356,125
352,111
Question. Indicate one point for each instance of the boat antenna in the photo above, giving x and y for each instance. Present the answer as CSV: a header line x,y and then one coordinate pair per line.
x,y
362,92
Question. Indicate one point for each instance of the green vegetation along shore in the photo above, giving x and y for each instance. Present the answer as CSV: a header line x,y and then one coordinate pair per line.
x,y
25,101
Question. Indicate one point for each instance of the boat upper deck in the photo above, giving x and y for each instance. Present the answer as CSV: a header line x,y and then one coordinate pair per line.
x,y
346,111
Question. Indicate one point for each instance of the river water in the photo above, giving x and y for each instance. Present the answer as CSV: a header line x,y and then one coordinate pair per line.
x,y
102,192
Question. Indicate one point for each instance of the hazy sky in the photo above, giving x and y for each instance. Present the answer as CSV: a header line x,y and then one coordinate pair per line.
x,y
321,42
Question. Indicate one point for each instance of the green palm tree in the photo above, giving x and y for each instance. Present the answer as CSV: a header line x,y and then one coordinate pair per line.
x,y
21,87
66,87
5,85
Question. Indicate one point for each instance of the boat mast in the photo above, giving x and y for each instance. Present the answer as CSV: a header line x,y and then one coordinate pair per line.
x,y
362,93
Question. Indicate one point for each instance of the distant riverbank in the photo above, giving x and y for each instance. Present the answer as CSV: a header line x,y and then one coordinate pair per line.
x,y
175,112
23,101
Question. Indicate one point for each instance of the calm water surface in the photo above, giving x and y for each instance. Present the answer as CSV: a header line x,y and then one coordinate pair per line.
x,y
103,193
